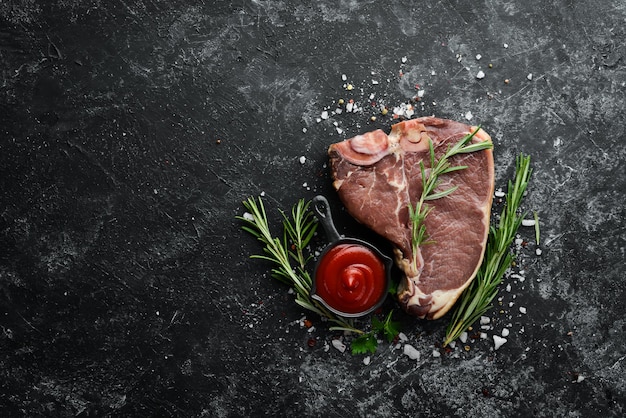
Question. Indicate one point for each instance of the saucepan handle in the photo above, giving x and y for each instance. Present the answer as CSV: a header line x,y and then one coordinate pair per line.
x,y
322,210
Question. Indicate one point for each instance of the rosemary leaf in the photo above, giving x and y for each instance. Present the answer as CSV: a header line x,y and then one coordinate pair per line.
x,y
439,195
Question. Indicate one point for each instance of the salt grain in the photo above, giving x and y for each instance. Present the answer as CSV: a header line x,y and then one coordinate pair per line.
x,y
339,130
463,337
528,222
404,59
522,310
339,345
302,159
324,115
480,75
411,352
518,277
484,320
498,341
478,57
505,332
538,251
505,45
367,360
374,82
248,216
469,115
436,353
344,77
529,76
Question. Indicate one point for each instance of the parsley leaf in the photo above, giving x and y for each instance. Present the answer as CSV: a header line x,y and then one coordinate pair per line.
x,y
367,343
363,344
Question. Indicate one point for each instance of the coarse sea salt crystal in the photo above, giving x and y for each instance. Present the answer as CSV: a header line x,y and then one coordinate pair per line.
x,y
538,251
248,216
522,310
339,130
469,115
411,352
420,93
404,59
528,222
483,335
344,77
498,341
402,337
484,320
367,360
324,115
478,57
499,193
349,107
374,82
436,353
480,75
518,277
302,159
463,337
505,332
339,345
529,76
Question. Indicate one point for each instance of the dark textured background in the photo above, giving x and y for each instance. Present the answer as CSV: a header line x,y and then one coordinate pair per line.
x,y
130,132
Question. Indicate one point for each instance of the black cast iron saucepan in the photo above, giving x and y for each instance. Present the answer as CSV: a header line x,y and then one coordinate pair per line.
x,y
351,276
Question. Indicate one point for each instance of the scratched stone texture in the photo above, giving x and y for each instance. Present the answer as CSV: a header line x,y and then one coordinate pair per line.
x,y
131,131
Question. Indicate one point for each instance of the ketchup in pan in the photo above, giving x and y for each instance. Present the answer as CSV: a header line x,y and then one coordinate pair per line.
x,y
351,276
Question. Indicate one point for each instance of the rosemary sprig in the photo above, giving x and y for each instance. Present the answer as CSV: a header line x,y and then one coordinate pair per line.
x,y
290,262
430,182
476,299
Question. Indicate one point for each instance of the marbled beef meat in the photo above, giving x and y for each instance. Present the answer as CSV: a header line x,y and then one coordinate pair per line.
x,y
378,175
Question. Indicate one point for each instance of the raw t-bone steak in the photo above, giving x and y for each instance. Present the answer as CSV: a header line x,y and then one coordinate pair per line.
x,y
378,175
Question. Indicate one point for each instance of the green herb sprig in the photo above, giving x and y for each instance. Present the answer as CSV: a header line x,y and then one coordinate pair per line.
x,y
287,254
368,342
476,299
431,181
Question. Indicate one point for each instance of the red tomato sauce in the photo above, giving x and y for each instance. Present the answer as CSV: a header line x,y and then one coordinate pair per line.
x,y
351,278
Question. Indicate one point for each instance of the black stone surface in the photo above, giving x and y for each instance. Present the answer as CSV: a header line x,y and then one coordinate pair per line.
x,y
130,132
